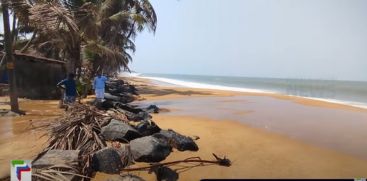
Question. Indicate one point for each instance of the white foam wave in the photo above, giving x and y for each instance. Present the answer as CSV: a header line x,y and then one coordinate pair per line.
x,y
239,89
205,86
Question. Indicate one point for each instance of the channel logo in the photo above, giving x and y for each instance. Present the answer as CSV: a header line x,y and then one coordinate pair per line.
x,y
20,170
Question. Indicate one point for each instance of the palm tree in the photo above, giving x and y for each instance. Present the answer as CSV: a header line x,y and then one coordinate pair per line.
x,y
103,30
109,28
8,46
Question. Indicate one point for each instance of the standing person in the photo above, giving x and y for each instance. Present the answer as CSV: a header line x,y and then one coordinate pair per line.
x,y
99,85
70,88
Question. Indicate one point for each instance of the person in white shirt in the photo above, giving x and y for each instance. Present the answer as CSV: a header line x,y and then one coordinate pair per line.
x,y
99,86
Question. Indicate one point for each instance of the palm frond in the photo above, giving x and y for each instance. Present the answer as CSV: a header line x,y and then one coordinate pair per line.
x,y
111,59
86,18
110,7
22,11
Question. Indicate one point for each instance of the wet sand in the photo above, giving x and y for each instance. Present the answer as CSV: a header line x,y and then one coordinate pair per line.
x,y
266,136
19,138
230,124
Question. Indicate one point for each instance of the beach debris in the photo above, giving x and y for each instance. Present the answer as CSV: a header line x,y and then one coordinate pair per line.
x,y
78,129
147,127
149,149
178,141
58,172
195,137
218,161
164,173
107,160
118,130
57,157
84,133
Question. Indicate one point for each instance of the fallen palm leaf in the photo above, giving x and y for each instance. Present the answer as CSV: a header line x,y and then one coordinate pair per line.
x,y
219,161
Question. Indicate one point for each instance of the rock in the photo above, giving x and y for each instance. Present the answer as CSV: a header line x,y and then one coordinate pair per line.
x,y
126,97
136,117
149,149
57,157
152,109
127,107
178,141
147,128
107,160
109,96
119,131
166,174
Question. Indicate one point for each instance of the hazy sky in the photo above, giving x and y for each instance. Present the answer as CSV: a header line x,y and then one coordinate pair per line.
x,y
324,39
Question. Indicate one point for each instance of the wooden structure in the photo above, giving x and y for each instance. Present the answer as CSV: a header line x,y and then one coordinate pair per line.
x,y
36,76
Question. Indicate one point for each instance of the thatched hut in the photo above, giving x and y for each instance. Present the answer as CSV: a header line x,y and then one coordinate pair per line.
x,y
36,76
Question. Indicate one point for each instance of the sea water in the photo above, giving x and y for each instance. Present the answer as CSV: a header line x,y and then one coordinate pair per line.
x,y
352,93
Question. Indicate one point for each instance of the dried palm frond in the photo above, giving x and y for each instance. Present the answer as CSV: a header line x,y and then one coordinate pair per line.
x,y
57,172
79,129
52,16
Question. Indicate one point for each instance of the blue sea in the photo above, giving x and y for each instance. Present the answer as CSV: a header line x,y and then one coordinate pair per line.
x,y
352,93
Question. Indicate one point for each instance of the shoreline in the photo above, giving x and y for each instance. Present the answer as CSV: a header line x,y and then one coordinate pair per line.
x,y
205,86
260,153
298,99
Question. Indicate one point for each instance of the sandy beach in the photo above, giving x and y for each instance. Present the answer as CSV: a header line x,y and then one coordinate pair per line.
x,y
229,124
257,152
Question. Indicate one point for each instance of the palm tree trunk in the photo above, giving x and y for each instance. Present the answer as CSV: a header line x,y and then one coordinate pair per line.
x,y
74,59
9,58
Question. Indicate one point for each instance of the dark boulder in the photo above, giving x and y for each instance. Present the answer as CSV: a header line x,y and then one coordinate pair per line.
x,y
122,97
120,131
149,149
127,107
107,160
57,157
147,128
165,174
136,117
152,109
178,141
109,96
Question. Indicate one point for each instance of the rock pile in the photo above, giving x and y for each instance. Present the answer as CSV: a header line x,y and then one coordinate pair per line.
x,y
91,130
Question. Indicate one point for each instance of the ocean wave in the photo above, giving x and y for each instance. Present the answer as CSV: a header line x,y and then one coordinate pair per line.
x,y
206,86
241,89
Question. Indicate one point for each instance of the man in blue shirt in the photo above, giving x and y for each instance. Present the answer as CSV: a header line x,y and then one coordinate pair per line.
x,y
70,88
99,86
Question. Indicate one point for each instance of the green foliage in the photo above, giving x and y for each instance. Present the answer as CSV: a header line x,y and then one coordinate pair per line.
x,y
101,31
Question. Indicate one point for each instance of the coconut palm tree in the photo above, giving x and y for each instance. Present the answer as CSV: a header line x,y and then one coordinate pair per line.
x,y
110,27
8,46
103,30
